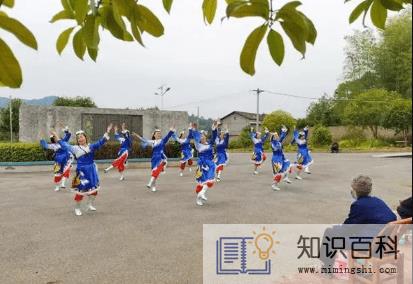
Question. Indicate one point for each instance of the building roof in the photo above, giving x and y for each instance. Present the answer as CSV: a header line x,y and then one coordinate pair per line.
x,y
247,115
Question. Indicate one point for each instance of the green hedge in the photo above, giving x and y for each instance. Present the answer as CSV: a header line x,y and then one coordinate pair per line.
x,y
28,152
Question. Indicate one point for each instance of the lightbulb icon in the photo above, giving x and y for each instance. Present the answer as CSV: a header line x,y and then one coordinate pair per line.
x,y
264,243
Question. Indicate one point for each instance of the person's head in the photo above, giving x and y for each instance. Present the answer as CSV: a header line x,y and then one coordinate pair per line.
x,y
258,135
276,136
81,138
52,139
301,135
204,137
222,135
156,134
182,135
361,186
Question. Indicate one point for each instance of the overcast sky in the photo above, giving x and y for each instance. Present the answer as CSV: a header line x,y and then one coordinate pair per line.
x,y
200,63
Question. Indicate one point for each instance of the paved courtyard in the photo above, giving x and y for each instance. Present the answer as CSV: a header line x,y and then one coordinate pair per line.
x,y
141,237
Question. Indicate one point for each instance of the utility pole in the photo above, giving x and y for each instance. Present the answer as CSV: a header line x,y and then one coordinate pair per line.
x,y
258,92
11,121
197,116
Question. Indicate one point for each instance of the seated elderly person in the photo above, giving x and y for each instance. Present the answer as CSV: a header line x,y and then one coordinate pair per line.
x,y
367,209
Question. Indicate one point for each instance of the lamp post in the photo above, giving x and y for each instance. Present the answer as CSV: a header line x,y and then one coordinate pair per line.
x,y
162,92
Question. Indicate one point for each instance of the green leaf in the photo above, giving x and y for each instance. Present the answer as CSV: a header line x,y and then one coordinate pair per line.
x,y
8,3
393,5
19,30
209,8
63,39
10,71
93,53
296,34
81,8
249,51
167,4
292,5
362,7
79,45
62,15
252,8
148,22
109,22
67,5
378,14
312,31
276,46
91,32
136,32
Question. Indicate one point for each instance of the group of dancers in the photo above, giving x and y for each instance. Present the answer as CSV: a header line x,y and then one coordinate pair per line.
x,y
212,158
281,166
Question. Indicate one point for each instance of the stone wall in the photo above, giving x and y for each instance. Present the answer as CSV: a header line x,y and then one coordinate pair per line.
x,y
36,121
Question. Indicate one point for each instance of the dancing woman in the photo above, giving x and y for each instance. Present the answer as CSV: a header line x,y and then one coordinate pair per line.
x,y
187,153
258,156
125,140
158,161
205,174
86,182
63,159
221,158
281,166
304,159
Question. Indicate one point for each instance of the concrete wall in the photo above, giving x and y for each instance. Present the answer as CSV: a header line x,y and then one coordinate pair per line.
x,y
37,121
339,132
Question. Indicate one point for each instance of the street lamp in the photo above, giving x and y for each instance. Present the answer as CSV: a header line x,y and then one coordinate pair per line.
x,y
162,92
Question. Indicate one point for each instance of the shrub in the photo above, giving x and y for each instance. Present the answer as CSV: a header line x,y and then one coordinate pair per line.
x,y
321,136
28,152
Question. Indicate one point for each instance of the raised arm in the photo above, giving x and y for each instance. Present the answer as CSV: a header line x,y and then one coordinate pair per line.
x,y
265,136
168,136
283,135
295,137
67,135
99,144
47,146
306,132
213,136
102,141
226,139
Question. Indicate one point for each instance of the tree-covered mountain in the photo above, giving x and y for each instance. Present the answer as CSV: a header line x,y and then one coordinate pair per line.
x,y
46,101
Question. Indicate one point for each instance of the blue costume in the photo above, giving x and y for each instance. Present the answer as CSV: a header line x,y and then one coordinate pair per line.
x,y
187,153
125,141
62,157
205,174
258,156
158,160
304,159
280,165
221,158
87,178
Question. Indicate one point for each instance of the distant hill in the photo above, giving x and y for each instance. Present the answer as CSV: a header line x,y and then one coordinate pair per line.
x,y
46,101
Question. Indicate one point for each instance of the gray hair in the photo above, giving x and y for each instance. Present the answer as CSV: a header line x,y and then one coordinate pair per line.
x,y
362,185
